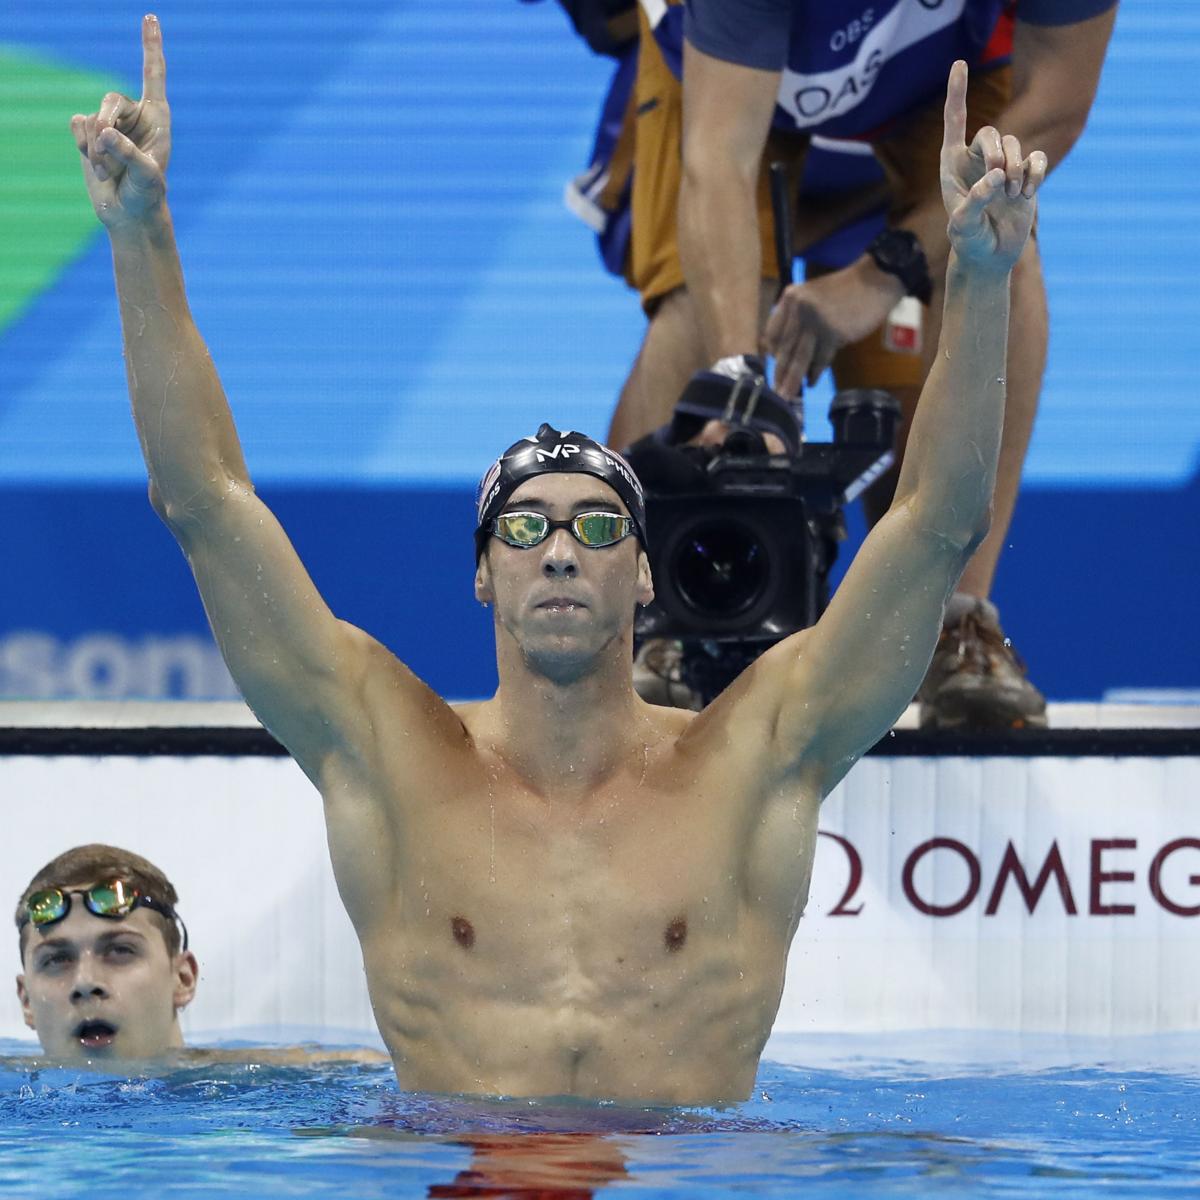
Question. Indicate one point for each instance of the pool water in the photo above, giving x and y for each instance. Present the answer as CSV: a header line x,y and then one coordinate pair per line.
x,y
848,1116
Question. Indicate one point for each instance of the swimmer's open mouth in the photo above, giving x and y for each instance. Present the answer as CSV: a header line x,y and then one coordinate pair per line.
x,y
561,602
95,1035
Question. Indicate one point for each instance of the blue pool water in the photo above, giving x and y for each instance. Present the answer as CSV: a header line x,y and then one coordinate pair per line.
x,y
903,1115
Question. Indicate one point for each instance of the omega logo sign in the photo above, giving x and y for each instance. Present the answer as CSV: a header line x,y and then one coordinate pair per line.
x,y
1092,893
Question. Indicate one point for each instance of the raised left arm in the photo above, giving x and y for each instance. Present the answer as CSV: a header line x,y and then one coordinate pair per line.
x,y
835,689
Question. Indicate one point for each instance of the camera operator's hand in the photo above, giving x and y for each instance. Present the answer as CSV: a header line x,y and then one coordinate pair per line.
x,y
813,320
126,145
989,190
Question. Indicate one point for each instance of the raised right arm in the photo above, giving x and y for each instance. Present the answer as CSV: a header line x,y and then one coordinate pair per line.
x,y
308,676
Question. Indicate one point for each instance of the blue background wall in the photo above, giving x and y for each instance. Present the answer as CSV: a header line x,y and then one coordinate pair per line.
x,y
368,204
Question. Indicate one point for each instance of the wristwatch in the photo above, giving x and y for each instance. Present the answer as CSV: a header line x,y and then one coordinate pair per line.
x,y
898,252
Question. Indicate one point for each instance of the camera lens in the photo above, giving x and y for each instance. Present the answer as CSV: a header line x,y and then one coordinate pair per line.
x,y
864,417
744,441
720,567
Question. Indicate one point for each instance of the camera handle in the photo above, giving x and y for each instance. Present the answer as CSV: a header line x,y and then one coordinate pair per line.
x,y
781,209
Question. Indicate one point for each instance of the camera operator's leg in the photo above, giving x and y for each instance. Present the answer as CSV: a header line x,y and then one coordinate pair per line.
x,y
672,351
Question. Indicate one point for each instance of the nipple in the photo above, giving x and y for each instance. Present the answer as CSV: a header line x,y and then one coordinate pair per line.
x,y
464,932
676,934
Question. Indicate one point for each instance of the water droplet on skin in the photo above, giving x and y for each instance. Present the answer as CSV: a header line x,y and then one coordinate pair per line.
x,y
492,853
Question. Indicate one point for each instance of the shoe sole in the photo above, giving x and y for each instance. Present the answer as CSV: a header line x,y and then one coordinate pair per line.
x,y
978,713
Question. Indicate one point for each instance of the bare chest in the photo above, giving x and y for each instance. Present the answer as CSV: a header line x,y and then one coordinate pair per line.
x,y
528,929
516,882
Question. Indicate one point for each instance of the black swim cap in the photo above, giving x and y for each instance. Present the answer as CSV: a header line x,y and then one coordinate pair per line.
x,y
548,450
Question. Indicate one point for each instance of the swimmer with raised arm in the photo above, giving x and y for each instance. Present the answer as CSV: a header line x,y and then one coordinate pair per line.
x,y
563,890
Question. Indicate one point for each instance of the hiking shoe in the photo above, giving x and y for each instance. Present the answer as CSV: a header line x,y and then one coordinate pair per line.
x,y
977,681
658,675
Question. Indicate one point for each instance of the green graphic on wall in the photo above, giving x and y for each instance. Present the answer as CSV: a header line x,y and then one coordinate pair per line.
x,y
44,209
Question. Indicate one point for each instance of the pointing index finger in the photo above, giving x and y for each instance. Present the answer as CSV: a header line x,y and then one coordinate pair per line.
x,y
956,107
154,67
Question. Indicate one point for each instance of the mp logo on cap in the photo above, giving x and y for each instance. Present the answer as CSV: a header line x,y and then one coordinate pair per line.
x,y
566,449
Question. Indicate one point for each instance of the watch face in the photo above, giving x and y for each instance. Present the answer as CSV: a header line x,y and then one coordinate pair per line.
x,y
896,248
898,252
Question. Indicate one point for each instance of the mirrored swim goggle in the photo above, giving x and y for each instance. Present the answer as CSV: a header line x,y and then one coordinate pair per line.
x,y
592,529
115,899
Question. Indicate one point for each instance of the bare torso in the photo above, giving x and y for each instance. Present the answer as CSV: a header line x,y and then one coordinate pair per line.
x,y
625,942
624,932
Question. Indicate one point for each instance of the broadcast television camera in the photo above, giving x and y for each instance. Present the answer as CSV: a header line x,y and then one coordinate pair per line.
x,y
742,541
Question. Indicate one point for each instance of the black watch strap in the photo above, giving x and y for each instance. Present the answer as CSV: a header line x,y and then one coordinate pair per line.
x,y
899,253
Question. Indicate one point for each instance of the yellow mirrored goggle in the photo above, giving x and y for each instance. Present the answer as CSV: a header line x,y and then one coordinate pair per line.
x,y
115,899
592,529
